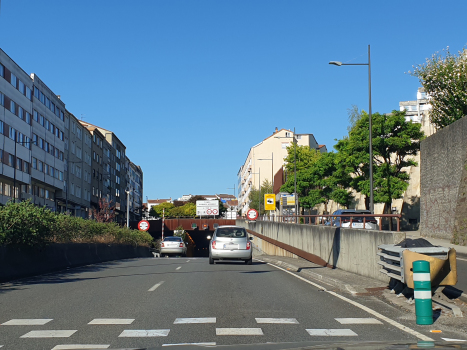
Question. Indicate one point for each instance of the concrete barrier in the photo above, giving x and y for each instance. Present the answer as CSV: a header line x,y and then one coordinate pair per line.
x,y
352,250
18,262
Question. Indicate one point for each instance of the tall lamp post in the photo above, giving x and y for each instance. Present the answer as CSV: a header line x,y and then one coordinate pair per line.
x,y
127,191
337,63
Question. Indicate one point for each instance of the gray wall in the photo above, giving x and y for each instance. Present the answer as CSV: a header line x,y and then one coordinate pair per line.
x,y
351,250
443,192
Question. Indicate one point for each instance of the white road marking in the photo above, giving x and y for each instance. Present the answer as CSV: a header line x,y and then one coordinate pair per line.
x,y
332,332
157,285
178,268
137,333
49,334
196,344
367,309
277,320
195,320
27,322
348,286
358,321
449,339
456,257
189,260
112,321
239,331
80,346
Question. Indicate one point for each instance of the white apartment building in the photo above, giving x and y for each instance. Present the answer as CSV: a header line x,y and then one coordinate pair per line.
x,y
265,159
418,111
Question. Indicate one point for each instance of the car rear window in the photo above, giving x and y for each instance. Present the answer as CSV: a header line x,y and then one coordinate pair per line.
x,y
172,239
230,232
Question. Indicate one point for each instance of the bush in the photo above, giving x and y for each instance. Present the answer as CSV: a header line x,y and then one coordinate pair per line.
x,y
27,224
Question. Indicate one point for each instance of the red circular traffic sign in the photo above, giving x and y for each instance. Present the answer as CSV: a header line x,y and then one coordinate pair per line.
x,y
214,211
252,214
143,225
209,211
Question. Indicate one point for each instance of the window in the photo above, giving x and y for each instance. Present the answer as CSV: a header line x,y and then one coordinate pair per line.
x,y
73,148
46,146
41,120
57,153
28,93
28,118
61,135
60,176
52,108
19,164
41,192
79,152
78,192
7,191
2,71
12,134
36,92
34,139
11,160
52,128
117,165
78,172
41,143
79,133
73,127
34,161
21,87
13,107
26,167
40,166
14,80
62,116
1,127
61,155
2,99
47,102
47,125
52,171
285,144
46,169
35,115
72,188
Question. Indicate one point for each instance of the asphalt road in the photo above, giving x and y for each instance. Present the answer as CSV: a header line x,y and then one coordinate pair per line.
x,y
152,302
462,273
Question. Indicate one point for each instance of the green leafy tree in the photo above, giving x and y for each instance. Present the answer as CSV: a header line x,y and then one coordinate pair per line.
x,y
156,210
444,78
196,198
189,210
395,141
256,197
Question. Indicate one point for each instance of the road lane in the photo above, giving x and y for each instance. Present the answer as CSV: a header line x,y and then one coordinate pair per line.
x,y
196,303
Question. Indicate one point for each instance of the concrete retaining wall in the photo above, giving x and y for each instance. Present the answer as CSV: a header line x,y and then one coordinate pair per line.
x,y
351,250
19,262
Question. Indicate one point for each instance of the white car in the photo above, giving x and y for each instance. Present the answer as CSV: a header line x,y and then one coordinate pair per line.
x,y
230,243
173,245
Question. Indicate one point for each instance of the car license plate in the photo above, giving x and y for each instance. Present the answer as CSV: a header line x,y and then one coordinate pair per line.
x,y
357,224
230,246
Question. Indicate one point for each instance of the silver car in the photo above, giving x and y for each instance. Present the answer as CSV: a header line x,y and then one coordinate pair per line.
x,y
230,243
173,245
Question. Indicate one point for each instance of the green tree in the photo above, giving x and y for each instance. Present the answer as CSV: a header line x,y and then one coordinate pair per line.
x,y
256,197
156,210
189,210
196,198
395,141
444,78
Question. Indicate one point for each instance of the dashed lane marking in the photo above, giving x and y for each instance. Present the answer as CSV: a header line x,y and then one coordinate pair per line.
x,y
239,331
80,346
178,268
368,320
49,334
196,344
112,321
141,333
154,287
457,257
277,320
195,320
27,322
332,332
363,307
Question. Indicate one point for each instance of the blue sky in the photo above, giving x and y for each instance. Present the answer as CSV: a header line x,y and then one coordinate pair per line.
x,y
190,85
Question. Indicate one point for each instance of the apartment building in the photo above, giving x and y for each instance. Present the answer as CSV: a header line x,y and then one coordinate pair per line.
x,y
418,111
134,180
32,137
265,159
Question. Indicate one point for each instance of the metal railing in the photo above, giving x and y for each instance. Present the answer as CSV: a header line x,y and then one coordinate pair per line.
x,y
334,220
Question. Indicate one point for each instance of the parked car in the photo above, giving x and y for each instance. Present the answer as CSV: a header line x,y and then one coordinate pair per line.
x,y
173,245
230,243
357,221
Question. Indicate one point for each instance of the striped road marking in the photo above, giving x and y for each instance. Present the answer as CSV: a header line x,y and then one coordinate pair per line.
x,y
157,285
195,320
49,334
358,321
449,339
112,321
196,344
80,346
139,333
239,331
27,322
332,332
277,320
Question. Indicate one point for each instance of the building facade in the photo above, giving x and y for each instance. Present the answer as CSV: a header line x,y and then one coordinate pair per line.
x,y
134,179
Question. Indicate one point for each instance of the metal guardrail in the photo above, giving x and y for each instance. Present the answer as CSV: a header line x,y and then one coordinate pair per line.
x,y
392,261
326,219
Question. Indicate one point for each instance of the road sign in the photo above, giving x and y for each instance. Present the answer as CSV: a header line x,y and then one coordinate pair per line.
x,y
252,214
143,225
269,201
288,200
207,207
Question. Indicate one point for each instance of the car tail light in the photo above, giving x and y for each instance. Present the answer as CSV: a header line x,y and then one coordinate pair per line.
x,y
248,245
213,244
181,245
162,244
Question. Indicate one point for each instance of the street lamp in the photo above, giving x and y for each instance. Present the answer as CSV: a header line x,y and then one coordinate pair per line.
x,y
127,191
337,63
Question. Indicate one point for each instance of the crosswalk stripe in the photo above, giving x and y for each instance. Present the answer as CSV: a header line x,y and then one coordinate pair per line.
x,y
331,332
49,334
112,321
196,344
137,333
367,320
277,320
80,346
239,331
27,322
195,320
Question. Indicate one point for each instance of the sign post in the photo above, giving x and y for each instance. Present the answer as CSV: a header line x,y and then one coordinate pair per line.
x,y
252,214
143,225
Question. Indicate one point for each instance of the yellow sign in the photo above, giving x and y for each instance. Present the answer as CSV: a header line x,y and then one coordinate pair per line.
x,y
269,202
288,200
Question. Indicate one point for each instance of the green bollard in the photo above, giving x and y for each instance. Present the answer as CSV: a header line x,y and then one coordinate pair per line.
x,y
422,292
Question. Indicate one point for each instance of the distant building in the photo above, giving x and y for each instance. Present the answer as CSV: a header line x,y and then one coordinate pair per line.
x,y
418,111
265,160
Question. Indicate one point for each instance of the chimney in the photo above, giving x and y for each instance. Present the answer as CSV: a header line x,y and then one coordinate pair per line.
x,y
275,132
